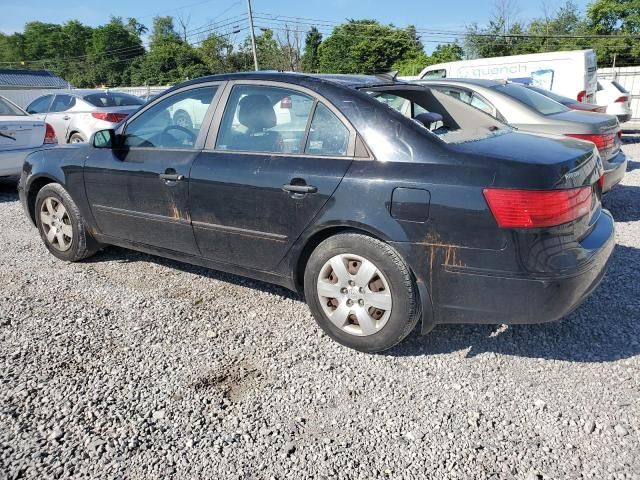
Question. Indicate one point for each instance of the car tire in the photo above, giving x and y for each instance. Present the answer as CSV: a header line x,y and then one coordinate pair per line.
x,y
76,138
356,316
61,226
182,119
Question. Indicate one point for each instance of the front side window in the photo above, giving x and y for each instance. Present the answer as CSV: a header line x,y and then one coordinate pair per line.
x,y
264,119
62,103
174,122
327,134
40,105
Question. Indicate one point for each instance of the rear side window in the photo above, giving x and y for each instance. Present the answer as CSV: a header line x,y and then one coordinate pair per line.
x,y
327,134
40,105
111,99
8,109
534,100
62,103
264,119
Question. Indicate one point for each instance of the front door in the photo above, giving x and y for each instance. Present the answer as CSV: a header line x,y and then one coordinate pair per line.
x,y
279,156
139,191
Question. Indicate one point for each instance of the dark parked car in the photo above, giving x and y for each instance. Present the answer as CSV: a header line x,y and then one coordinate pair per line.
x,y
381,219
527,110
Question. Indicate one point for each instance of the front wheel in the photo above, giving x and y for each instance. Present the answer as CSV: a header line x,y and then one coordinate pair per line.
x,y
361,292
61,226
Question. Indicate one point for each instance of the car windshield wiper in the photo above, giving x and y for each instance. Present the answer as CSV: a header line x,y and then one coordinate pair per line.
x,y
7,136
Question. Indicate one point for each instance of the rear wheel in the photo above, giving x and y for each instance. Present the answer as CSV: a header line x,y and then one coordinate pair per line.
x,y
61,226
76,138
361,292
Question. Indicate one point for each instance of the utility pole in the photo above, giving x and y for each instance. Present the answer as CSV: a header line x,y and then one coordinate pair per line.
x,y
253,36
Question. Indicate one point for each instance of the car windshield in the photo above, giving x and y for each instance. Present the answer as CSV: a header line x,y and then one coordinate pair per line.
x,y
534,100
8,109
553,96
110,99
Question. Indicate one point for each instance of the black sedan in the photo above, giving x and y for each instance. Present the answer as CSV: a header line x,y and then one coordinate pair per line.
x,y
384,204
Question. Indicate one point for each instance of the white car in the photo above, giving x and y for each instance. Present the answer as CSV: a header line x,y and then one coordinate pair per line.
x,y
20,135
616,98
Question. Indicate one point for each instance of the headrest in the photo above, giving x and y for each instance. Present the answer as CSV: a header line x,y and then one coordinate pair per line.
x,y
256,113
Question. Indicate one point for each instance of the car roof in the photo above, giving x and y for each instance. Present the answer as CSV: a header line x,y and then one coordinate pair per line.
x,y
480,82
352,81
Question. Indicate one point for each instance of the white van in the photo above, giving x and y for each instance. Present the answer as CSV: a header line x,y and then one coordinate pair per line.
x,y
572,74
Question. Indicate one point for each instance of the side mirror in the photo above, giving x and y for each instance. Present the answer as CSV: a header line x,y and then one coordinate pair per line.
x,y
104,139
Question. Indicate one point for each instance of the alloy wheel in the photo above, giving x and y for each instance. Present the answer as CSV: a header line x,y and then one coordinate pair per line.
x,y
56,224
354,294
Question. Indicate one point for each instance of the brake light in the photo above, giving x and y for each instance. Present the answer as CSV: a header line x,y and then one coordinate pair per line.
x,y
602,141
110,117
621,99
49,135
537,208
601,182
581,95
285,102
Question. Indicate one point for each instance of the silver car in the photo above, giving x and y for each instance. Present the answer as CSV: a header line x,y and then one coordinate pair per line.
x,y
75,115
20,135
528,110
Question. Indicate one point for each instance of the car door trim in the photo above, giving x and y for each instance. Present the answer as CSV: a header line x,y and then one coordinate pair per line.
x,y
239,231
144,215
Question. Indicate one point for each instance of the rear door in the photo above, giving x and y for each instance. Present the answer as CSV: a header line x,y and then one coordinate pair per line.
x,y
277,157
139,191
59,117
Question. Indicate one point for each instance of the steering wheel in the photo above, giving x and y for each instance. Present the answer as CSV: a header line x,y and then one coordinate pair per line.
x,y
192,135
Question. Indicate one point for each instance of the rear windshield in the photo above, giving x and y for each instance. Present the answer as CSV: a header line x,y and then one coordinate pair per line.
x,y
619,87
551,95
104,99
8,109
538,102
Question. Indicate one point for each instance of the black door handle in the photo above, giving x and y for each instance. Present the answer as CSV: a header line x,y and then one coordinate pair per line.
x,y
300,188
171,177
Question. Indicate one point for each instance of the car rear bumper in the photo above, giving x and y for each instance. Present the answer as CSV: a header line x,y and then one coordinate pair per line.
x,y
614,170
11,161
460,294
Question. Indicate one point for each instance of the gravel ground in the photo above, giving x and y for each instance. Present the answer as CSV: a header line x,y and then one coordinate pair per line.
x,y
131,366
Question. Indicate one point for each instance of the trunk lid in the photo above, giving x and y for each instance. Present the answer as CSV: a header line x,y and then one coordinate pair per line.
x,y
592,123
20,132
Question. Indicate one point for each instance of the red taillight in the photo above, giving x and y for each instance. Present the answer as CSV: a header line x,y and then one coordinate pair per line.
x,y
621,99
285,102
537,208
602,141
601,182
581,95
49,135
110,117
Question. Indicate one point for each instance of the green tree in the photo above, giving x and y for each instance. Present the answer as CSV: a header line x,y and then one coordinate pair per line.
x,y
366,46
311,57
215,51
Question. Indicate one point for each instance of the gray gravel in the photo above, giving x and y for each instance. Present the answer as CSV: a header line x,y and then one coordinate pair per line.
x,y
131,366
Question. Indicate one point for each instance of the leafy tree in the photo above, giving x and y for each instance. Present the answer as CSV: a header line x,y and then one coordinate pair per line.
x,y
311,58
215,51
366,46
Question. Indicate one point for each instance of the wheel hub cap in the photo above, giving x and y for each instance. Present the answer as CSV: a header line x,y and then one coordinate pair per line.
x,y
56,224
354,294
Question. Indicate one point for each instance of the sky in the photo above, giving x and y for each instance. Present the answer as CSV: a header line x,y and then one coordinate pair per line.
x,y
424,14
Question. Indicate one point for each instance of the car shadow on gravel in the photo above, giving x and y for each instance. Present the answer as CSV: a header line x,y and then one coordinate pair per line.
x,y
123,255
622,201
605,328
